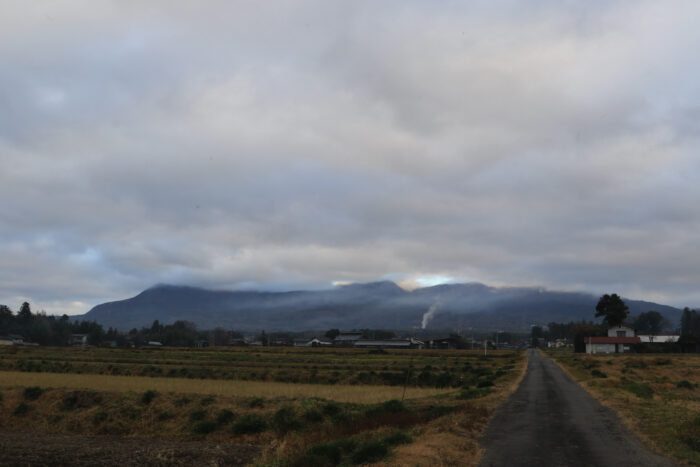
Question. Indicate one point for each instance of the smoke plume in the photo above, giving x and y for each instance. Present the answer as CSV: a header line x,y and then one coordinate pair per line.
x,y
428,315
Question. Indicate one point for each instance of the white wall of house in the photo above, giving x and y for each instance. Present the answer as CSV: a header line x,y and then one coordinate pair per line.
x,y
620,331
600,348
658,339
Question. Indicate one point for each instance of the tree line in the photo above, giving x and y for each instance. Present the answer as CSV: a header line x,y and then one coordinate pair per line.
x,y
45,329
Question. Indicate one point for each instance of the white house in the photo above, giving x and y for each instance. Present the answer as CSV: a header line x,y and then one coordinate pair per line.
x,y
618,340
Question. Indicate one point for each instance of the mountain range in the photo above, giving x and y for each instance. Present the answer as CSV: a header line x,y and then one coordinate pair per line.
x,y
379,305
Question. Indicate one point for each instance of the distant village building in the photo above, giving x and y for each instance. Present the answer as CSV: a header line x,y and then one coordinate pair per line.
x,y
619,340
443,343
410,343
238,342
79,339
346,339
557,343
315,342
6,340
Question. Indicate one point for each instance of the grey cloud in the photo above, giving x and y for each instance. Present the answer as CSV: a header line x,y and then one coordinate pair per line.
x,y
239,145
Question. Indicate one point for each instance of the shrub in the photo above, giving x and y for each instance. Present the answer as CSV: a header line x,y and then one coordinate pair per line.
x,y
589,364
313,415
393,406
256,402
285,420
182,401
691,434
249,423
436,411
148,396
484,384
197,415
21,409
224,416
444,379
685,384
371,451
32,393
397,438
662,361
636,364
598,374
327,453
80,400
163,416
207,400
332,408
335,411
467,393
99,417
130,412
204,427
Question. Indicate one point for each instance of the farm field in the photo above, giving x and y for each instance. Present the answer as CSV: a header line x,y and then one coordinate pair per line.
x,y
428,368
268,406
657,395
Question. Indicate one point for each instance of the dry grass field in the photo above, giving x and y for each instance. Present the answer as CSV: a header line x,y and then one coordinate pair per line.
x,y
357,416
658,396
361,394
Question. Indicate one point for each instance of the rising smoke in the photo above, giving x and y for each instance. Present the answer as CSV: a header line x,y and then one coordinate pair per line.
x,y
428,315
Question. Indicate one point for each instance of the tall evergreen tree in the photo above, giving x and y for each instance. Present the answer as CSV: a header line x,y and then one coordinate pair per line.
x,y
612,309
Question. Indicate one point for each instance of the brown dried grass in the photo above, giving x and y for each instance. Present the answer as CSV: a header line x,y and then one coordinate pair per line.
x,y
341,393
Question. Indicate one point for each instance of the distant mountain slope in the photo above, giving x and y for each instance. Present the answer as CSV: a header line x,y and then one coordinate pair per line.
x,y
371,305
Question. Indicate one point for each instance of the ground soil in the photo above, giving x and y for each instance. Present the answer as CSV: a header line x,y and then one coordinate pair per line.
x,y
46,449
550,420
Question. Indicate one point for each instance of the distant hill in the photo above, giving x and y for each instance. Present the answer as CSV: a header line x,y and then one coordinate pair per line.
x,y
371,305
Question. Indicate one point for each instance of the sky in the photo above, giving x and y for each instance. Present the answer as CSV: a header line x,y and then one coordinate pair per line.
x,y
286,145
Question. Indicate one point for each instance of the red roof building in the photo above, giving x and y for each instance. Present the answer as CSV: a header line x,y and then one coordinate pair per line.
x,y
610,344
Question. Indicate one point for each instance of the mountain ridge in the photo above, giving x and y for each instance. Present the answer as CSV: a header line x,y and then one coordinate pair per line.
x,y
362,305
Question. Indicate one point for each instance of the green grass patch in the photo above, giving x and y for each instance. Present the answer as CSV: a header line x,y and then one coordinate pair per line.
x,y
642,390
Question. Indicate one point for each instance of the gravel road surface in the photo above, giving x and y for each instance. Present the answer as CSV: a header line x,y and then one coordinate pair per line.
x,y
551,421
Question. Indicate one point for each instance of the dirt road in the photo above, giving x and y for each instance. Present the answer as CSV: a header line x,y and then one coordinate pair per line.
x,y
46,449
550,420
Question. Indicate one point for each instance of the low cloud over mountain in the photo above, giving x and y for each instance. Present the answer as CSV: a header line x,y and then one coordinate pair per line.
x,y
371,305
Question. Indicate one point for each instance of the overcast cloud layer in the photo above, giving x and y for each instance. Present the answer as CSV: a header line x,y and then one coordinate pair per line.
x,y
293,144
